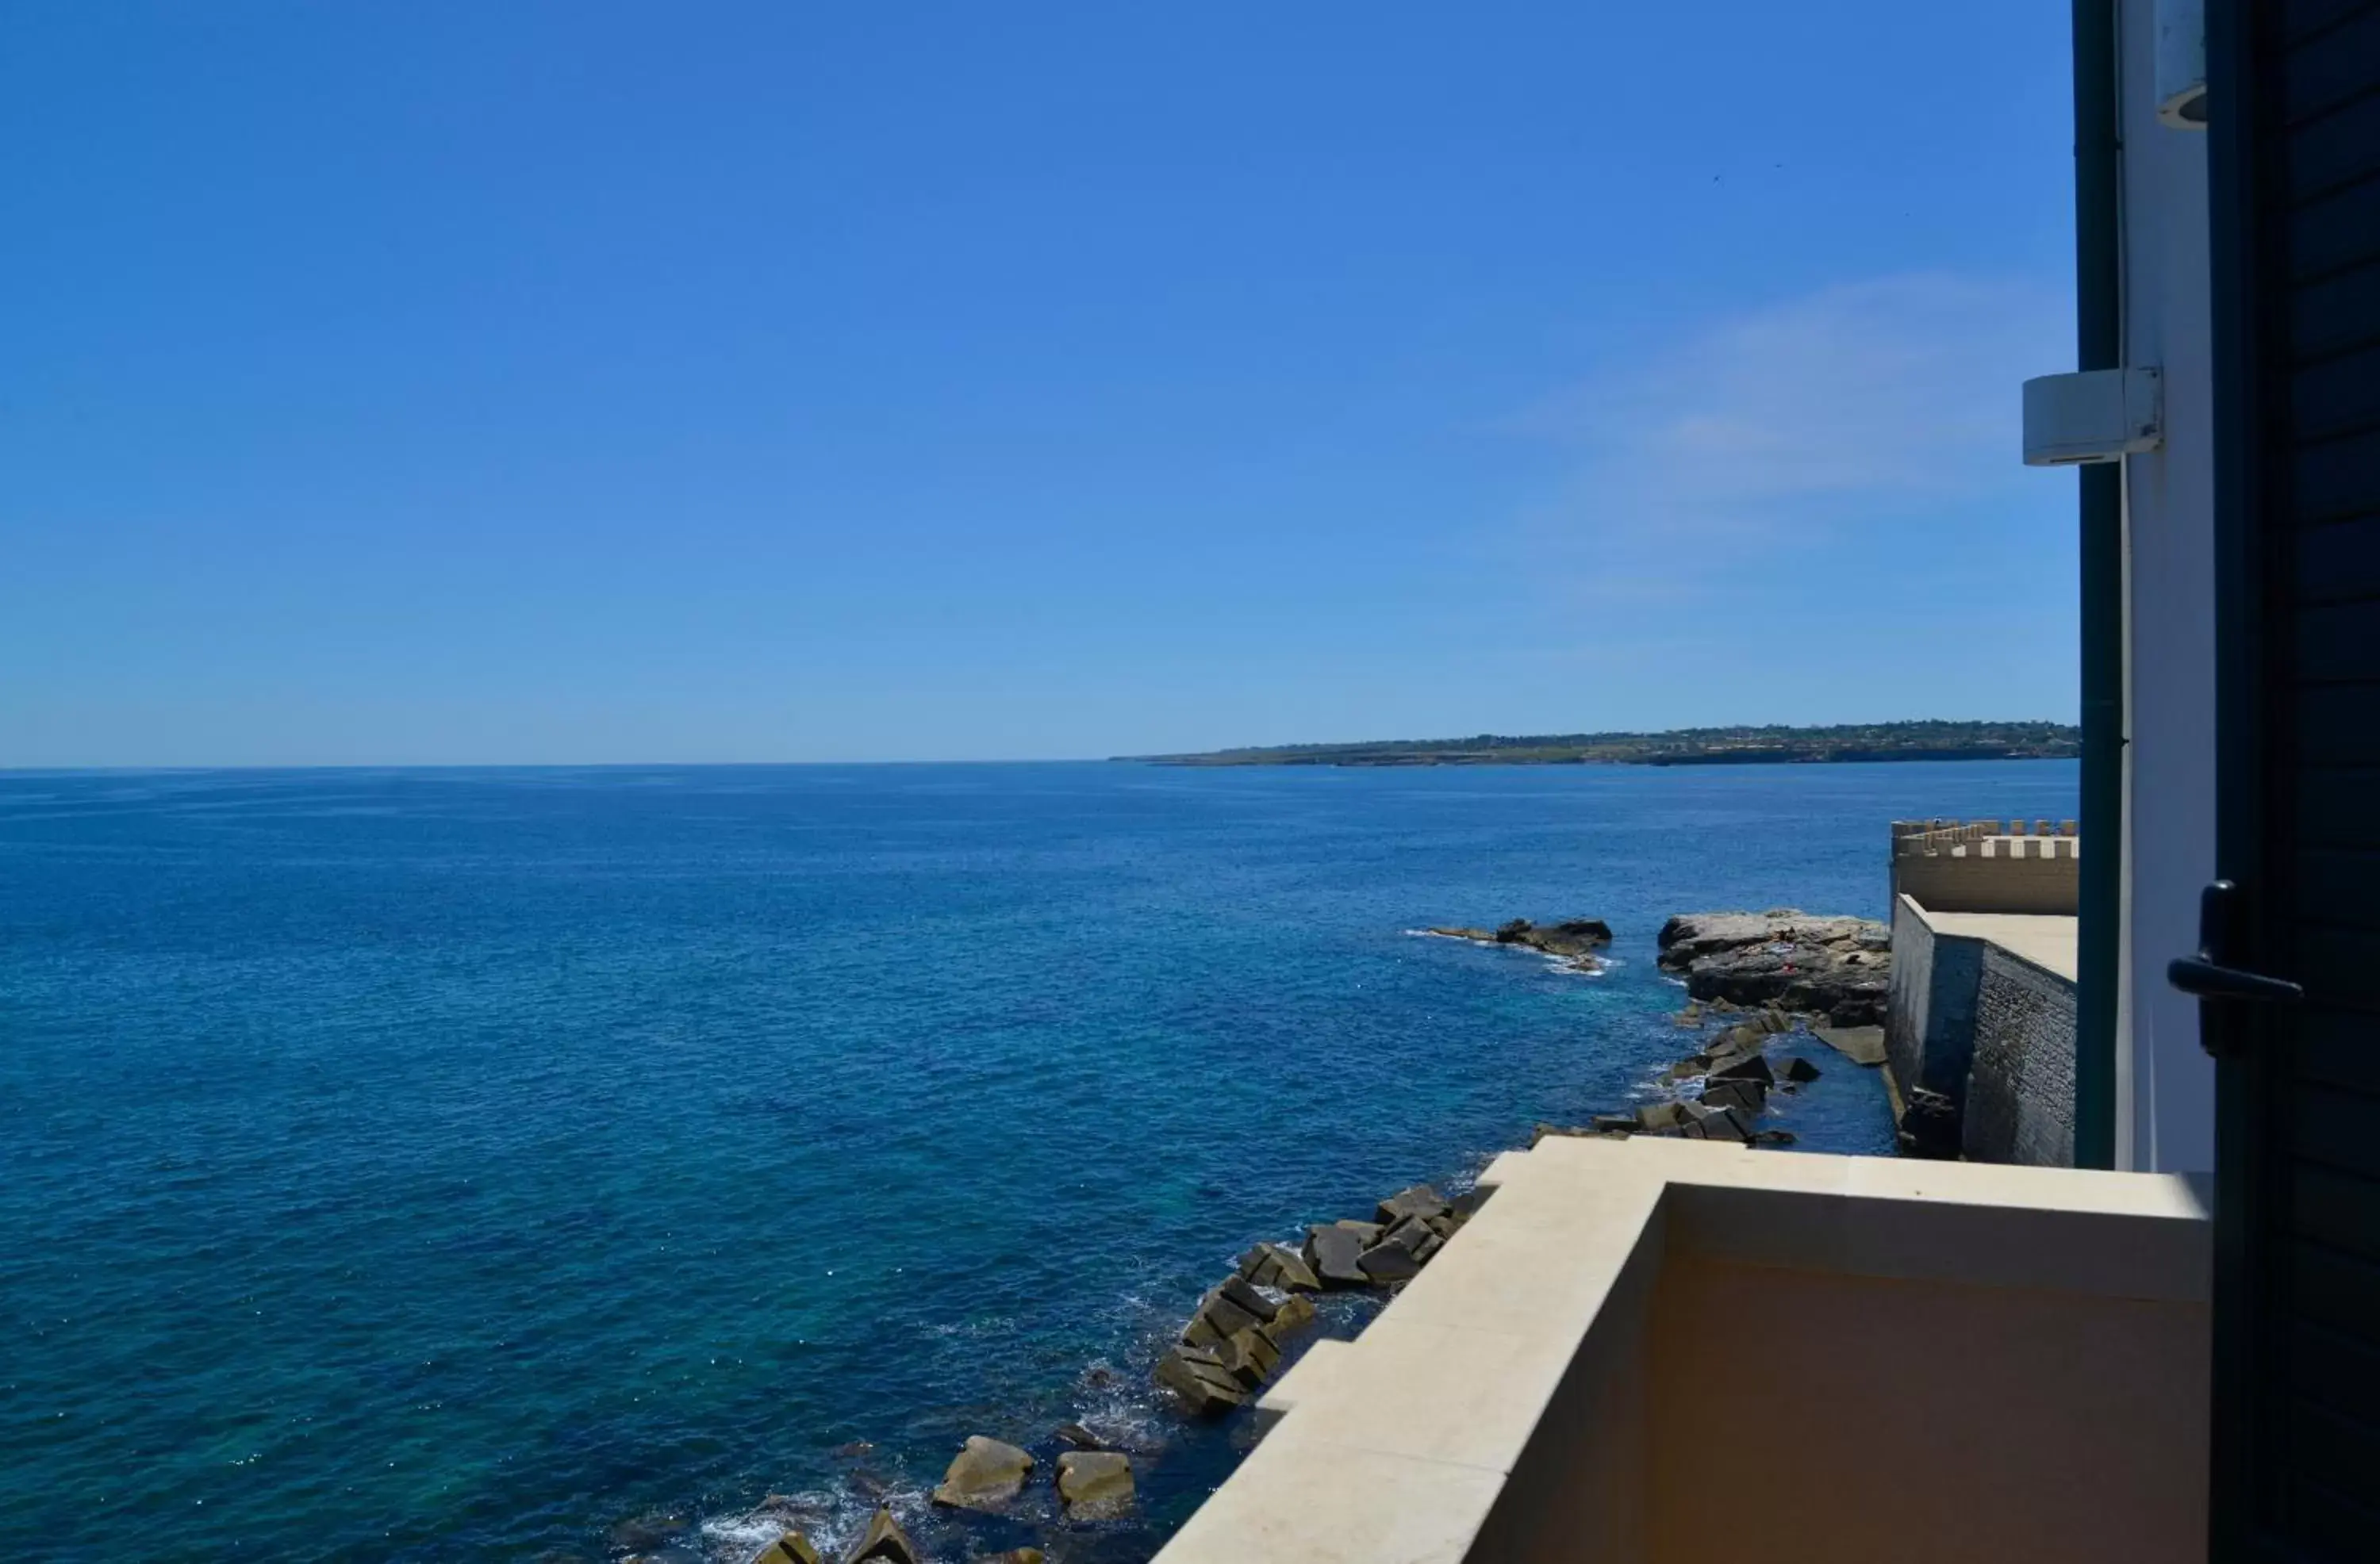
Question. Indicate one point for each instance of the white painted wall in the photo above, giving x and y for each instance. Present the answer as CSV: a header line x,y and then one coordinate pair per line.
x,y
2165,1111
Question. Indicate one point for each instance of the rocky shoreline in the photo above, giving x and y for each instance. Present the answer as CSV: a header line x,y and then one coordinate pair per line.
x,y
1751,979
1836,967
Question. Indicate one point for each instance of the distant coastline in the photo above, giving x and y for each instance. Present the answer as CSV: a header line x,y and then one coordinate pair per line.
x,y
1679,746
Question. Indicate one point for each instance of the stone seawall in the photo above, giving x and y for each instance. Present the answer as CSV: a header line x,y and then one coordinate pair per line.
x,y
1980,1042
2020,1102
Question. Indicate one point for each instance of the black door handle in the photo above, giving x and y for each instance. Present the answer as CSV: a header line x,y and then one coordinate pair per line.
x,y
2211,975
2204,979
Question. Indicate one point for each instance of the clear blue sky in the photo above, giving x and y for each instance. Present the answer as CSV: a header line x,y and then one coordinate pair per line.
x,y
585,381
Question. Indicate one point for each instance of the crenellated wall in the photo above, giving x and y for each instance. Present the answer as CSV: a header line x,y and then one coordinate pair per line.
x,y
1985,867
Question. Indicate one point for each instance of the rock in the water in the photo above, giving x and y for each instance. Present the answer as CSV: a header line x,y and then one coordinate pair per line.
x,y
1095,1484
1776,1137
1332,1252
1840,967
1368,1232
1746,1096
1276,1265
646,1532
1220,1315
1861,1045
1242,1293
1929,1125
1750,1067
886,1541
1736,1042
1016,1556
1249,1357
1199,1378
985,1475
1576,939
1081,1437
1800,1071
1419,1201
1665,1115
1385,1263
1728,1125
1295,1310
1611,1124
791,1548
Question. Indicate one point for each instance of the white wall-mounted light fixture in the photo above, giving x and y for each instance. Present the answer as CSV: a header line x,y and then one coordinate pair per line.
x,y
2181,64
2095,415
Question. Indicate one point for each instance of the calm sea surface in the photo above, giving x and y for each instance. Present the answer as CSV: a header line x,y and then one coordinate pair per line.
x,y
454,1164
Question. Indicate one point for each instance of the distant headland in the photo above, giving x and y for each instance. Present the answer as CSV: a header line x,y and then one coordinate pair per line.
x,y
1679,746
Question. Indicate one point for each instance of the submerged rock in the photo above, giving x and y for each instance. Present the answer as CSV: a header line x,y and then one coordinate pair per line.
x,y
1081,1437
985,1475
643,1533
1016,1556
885,1541
1095,1484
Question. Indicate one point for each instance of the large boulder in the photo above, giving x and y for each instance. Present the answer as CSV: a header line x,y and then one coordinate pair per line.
x,y
1726,1124
884,1541
1839,967
1746,1097
1331,1251
1385,1262
1750,1067
1800,1072
1199,1378
1656,1117
1419,1201
1249,1357
792,1548
1240,1292
1095,1484
1277,1266
985,1475
1232,1307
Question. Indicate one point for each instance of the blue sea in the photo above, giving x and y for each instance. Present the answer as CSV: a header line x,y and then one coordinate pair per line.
x,y
547,1163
